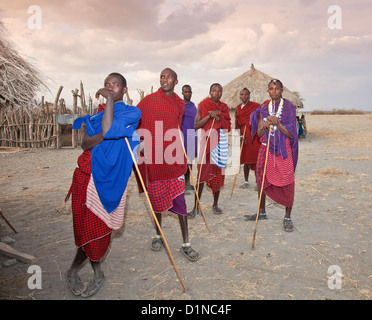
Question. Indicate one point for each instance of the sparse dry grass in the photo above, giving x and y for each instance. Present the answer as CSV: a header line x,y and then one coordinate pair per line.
x,y
337,111
331,172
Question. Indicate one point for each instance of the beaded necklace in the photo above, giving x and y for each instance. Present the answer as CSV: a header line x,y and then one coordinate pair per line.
x,y
276,114
272,106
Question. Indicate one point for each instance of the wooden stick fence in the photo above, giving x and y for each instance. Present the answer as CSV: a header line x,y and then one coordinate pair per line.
x,y
37,127
41,126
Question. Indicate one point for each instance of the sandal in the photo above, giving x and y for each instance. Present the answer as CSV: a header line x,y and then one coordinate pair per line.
x,y
157,244
252,217
190,253
288,225
245,185
192,214
217,210
76,285
93,286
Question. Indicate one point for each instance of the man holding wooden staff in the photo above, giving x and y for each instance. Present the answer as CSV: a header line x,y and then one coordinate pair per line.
x,y
214,119
279,181
163,164
250,143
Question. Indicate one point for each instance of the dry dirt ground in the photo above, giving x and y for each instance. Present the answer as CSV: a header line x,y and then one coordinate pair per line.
x,y
332,215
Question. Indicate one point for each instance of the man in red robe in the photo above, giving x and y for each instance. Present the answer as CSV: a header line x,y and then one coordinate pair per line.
x,y
211,111
163,165
251,145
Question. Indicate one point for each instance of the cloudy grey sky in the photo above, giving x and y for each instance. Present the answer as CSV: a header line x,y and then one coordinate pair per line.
x,y
204,41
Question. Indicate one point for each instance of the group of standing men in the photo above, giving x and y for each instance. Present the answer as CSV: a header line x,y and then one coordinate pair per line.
x,y
120,127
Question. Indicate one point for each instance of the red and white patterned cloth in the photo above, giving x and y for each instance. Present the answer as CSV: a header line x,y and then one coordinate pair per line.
x,y
279,184
115,219
280,171
91,233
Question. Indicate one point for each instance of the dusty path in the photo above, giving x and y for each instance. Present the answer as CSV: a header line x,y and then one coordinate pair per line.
x,y
332,214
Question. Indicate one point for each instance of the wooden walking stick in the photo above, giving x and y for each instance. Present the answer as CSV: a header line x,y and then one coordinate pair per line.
x,y
154,216
262,184
193,182
5,219
237,171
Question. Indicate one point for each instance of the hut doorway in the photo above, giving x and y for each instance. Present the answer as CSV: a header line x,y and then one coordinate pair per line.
x,y
66,135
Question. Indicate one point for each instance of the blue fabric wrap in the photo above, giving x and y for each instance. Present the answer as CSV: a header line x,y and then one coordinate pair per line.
x,y
111,161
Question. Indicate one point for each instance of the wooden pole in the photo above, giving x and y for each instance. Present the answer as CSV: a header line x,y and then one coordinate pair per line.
x,y
202,160
154,216
237,170
5,219
12,253
55,142
193,182
262,185
74,111
82,99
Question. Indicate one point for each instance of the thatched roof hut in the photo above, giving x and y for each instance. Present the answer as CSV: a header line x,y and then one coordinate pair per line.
x,y
256,82
19,80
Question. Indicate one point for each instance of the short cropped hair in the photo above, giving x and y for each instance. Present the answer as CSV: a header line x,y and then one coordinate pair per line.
x,y
186,86
173,72
121,77
214,84
245,89
276,81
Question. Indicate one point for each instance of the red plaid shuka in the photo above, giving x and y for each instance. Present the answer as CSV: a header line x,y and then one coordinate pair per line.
x,y
91,233
210,173
217,182
160,115
161,179
162,193
204,108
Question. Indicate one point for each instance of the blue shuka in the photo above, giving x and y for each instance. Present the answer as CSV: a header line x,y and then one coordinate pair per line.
x,y
111,162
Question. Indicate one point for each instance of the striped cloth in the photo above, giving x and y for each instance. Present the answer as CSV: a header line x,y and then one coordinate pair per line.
x,y
280,171
115,219
220,153
279,182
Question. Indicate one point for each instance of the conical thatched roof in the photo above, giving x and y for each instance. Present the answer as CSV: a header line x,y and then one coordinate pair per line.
x,y
19,80
256,82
